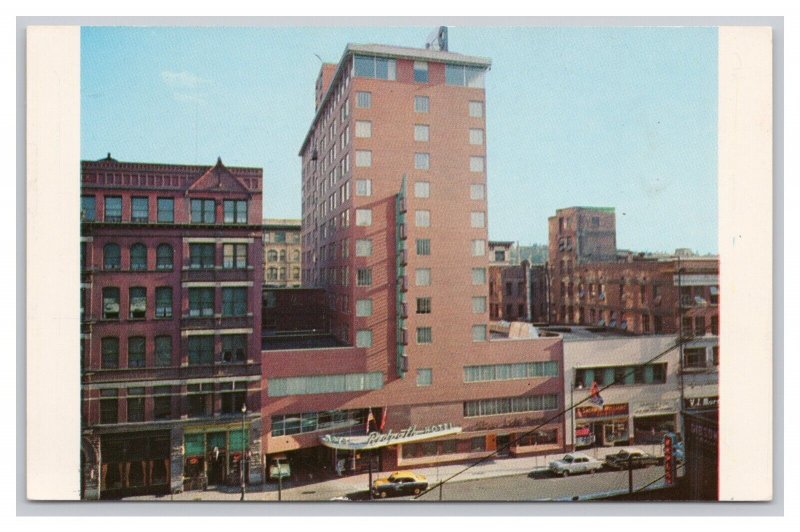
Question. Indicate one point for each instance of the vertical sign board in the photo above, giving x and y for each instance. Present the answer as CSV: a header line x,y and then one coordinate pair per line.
x,y
669,461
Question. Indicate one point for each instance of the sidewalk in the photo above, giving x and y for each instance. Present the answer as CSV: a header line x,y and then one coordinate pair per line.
x,y
328,489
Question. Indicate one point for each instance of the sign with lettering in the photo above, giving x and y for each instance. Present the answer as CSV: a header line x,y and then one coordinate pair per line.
x,y
611,410
691,403
374,440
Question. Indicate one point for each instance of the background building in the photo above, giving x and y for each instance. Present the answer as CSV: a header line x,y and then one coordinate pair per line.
x,y
171,275
282,264
509,284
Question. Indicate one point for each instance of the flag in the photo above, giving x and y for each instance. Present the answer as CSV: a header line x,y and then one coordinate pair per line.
x,y
370,417
595,399
383,418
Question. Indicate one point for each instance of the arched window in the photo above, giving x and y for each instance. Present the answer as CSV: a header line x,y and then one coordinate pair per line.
x,y
138,257
283,274
272,255
164,256
111,257
296,255
272,273
296,274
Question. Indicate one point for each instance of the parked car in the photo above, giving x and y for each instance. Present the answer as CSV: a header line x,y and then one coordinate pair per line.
x,y
574,463
399,483
638,458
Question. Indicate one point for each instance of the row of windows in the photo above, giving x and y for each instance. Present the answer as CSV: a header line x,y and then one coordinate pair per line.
x,y
603,376
350,382
200,256
422,133
274,274
314,421
275,256
422,277
424,335
200,348
201,302
509,405
502,372
422,161
201,210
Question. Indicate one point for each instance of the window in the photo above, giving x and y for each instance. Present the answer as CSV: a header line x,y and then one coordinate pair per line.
x,y
349,382
201,350
423,305
713,295
476,191
422,189
202,256
424,377
112,258
203,211
423,246
363,100
235,211
476,109
476,137
110,303
374,67
478,305
364,277
364,338
164,302
162,402
88,208
478,276
272,255
507,405
364,217
423,276
363,308
465,76
138,302
113,209
363,158
232,397
108,406
166,210
500,256
477,219
363,129
501,372
422,161
509,289
422,218
234,301
421,104
476,164
477,444
109,348
234,348
363,187
478,333
280,237
420,71
138,257
234,256
136,351
164,257
694,358
478,248
421,132
363,247
201,398
140,211
424,335
201,302
163,350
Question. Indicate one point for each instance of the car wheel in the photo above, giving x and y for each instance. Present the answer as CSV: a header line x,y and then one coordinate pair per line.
x,y
383,495
565,473
417,491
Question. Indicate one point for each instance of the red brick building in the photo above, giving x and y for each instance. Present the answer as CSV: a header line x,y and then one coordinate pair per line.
x,y
395,232
171,262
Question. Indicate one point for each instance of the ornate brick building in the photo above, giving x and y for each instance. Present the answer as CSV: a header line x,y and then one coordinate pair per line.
x,y
282,264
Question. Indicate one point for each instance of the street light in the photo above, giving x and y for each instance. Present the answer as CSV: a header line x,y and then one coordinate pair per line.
x,y
242,456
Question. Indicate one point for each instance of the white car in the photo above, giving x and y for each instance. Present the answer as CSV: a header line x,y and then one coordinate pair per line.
x,y
574,463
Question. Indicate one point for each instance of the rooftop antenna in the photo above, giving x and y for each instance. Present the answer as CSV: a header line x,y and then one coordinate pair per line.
x,y
437,39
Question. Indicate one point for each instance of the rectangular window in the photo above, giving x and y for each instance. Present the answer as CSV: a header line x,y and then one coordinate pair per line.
x,y
476,191
201,302
694,358
478,248
201,350
478,333
201,400
423,305
364,217
166,210
422,189
232,398
422,161
478,305
363,308
135,405
422,218
364,338
234,301
424,377
464,76
476,109
363,247
363,158
88,208
477,219
234,348
140,210
363,100
476,137
350,382
364,277
203,211
422,276
113,209
108,406
476,164
234,256
163,350
162,402
164,302
110,303
374,67
363,187
424,335
420,71
363,129
421,104
423,246
478,276
202,256
109,348
421,133
137,296
136,351
235,211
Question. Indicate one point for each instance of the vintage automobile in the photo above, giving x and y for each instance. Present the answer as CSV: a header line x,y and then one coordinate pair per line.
x,y
637,457
575,463
399,483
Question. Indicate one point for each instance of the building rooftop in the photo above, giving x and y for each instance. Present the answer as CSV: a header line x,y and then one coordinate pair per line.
x,y
571,333
300,340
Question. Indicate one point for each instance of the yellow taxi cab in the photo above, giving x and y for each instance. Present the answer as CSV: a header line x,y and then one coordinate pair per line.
x,y
400,483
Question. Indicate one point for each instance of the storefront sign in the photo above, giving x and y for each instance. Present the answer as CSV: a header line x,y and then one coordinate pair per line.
x,y
662,407
613,410
375,440
700,402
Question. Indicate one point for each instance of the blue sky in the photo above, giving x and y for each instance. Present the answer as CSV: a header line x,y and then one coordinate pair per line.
x,y
616,117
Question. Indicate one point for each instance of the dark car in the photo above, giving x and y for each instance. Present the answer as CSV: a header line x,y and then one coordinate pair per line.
x,y
636,457
400,483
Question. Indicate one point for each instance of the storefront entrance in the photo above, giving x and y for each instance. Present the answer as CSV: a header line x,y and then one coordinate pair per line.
x,y
134,464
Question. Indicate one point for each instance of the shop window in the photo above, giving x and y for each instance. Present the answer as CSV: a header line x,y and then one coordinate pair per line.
x,y
478,444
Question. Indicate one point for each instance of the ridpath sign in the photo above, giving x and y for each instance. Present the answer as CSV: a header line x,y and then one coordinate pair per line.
x,y
374,440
